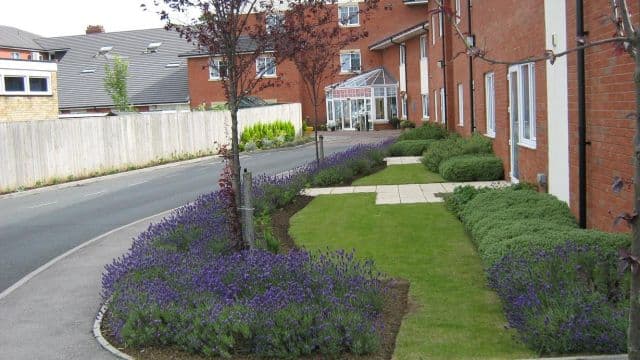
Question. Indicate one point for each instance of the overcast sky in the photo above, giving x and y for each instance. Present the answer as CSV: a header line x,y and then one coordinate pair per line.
x,y
70,17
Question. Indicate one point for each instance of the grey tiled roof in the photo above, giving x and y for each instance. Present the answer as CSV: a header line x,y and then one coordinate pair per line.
x,y
11,37
150,81
245,45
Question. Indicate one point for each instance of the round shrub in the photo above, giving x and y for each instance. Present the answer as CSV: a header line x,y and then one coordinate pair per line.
x,y
472,168
410,147
425,132
441,150
333,176
461,195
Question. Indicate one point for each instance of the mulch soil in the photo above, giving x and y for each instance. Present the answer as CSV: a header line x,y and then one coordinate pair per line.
x,y
395,305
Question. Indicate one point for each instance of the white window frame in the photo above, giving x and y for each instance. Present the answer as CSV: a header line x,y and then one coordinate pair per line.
x,y
440,23
266,71
423,46
403,54
350,15
405,107
531,99
436,102
272,20
350,54
460,104
443,106
458,11
433,31
490,103
425,106
215,63
35,56
26,75
15,55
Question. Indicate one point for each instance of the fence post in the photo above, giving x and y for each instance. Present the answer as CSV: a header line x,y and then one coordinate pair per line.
x,y
321,148
247,210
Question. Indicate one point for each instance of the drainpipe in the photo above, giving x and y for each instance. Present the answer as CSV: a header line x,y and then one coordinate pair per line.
x,y
582,122
471,86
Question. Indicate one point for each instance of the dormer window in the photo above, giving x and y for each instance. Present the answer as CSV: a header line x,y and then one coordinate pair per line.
x,y
349,15
274,21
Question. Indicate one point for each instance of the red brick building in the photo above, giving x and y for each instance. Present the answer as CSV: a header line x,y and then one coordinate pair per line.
x,y
531,110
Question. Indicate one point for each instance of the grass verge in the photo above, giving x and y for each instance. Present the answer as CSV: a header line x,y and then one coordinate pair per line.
x,y
454,315
401,174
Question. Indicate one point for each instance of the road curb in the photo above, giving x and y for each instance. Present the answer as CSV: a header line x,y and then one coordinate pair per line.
x,y
97,333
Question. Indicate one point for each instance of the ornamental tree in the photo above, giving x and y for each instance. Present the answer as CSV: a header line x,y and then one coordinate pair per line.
x,y
115,82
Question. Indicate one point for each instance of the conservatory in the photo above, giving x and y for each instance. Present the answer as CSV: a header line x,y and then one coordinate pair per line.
x,y
362,101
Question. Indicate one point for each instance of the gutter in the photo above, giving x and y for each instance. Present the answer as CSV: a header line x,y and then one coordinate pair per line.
x,y
582,121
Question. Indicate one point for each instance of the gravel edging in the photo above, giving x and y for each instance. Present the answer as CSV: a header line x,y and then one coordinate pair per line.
x,y
97,333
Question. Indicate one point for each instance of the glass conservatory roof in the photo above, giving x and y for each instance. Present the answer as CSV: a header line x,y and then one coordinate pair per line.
x,y
376,77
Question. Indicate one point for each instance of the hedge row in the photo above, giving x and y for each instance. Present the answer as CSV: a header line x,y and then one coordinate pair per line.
x,y
550,274
425,132
483,167
455,146
410,147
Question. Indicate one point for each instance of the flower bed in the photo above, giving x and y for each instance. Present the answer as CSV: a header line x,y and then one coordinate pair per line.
x,y
181,284
559,285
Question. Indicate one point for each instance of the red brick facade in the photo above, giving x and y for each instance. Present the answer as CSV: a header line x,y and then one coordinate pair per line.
x,y
508,30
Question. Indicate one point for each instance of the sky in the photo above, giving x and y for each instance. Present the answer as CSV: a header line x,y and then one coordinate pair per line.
x,y
50,18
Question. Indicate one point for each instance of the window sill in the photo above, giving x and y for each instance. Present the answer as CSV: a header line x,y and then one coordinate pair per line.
x,y
267,77
529,144
350,72
215,79
426,118
349,25
25,94
490,135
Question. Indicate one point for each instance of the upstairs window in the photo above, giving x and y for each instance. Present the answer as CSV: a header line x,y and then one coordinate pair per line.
x,y
35,83
274,21
266,66
403,54
349,15
38,84
423,47
458,11
217,69
350,62
14,84
15,55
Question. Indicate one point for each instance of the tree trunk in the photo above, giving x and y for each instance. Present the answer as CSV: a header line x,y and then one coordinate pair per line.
x,y
235,154
315,129
633,342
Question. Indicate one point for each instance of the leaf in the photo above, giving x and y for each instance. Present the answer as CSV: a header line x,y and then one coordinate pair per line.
x,y
630,260
617,185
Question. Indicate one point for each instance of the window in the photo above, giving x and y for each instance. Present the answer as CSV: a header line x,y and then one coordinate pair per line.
x,y
433,32
460,105
392,104
350,62
274,21
15,55
458,12
403,103
443,106
403,54
435,103
349,15
14,84
33,83
523,94
490,104
440,24
38,84
425,106
423,47
265,66
35,56
217,70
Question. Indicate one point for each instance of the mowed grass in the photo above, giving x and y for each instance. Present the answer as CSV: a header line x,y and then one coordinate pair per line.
x,y
401,174
454,315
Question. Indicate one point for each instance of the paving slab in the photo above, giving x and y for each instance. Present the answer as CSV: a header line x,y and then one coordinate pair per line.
x,y
342,190
403,160
364,189
387,189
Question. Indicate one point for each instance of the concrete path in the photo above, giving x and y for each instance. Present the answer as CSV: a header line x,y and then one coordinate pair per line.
x,y
403,194
403,160
51,315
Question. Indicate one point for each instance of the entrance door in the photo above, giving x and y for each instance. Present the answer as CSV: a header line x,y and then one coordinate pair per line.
x,y
514,120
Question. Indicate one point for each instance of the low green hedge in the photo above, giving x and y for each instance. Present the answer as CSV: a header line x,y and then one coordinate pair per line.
x,y
410,147
455,146
425,132
484,167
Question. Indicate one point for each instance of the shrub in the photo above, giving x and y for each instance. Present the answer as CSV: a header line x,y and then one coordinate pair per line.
x,y
472,168
425,132
333,176
406,124
461,195
278,132
249,146
558,301
455,146
410,147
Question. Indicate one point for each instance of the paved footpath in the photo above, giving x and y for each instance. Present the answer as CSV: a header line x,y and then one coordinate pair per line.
x,y
46,318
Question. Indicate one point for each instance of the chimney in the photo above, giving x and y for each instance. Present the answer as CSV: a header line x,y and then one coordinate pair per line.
x,y
94,29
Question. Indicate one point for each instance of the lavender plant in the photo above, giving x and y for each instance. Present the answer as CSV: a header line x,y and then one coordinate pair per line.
x,y
184,283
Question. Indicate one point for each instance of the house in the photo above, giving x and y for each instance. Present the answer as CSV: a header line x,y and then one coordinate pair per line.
x,y
28,80
157,78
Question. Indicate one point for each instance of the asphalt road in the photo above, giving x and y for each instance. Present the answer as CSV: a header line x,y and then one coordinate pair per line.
x,y
35,227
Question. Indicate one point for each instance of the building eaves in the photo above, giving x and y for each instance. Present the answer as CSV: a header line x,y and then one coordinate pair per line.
x,y
400,36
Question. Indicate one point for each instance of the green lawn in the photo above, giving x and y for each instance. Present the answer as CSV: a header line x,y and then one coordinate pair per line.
x,y
457,316
401,174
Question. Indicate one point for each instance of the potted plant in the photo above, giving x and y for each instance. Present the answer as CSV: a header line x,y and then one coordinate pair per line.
x,y
395,122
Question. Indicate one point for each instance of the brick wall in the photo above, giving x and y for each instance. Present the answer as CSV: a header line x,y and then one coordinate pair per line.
x,y
609,100
24,108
